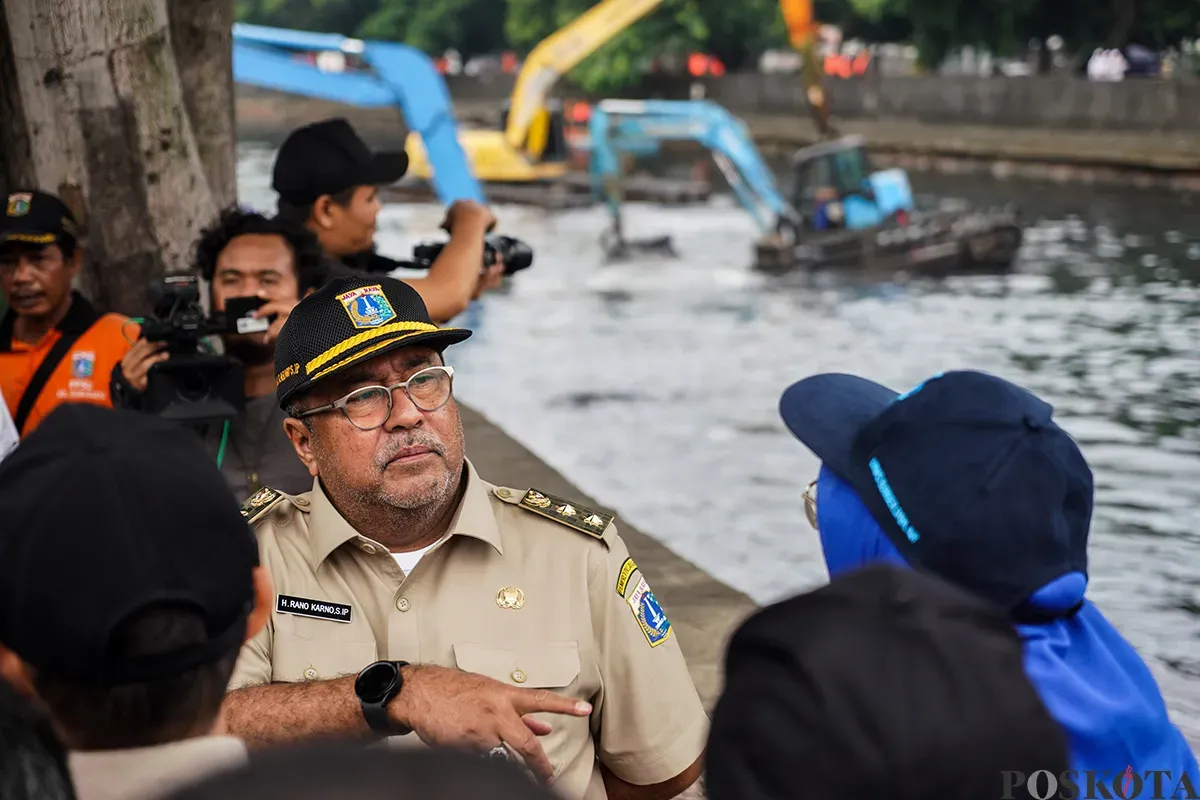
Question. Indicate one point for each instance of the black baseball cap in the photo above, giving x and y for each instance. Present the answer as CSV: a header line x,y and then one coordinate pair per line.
x,y
348,320
967,474
886,682
37,217
107,513
328,157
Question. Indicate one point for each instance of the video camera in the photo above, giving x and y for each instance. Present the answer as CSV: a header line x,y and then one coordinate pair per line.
x,y
512,252
191,386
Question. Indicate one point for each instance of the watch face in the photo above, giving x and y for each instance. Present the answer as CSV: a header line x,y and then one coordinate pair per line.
x,y
374,682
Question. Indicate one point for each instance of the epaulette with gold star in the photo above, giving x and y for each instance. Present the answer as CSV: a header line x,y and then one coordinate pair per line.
x,y
259,503
586,520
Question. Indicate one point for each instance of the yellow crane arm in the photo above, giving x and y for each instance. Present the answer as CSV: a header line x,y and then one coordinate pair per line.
x,y
802,32
559,52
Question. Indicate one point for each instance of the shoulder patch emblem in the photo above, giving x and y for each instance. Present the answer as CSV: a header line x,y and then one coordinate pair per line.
x,y
649,614
627,570
581,518
260,503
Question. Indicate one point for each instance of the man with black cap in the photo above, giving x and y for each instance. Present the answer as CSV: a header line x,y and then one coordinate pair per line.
x,y
328,179
55,347
401,555
126,630
886,683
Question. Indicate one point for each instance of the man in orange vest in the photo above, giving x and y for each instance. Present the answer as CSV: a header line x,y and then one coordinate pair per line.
x,y
55,347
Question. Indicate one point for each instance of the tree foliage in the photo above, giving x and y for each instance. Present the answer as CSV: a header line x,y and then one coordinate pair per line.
x,y
737,32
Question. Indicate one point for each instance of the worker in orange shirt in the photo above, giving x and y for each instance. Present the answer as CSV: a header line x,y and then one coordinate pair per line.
x,y
55,347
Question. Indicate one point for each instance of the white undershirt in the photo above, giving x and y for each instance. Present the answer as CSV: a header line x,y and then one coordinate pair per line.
x,y
407,561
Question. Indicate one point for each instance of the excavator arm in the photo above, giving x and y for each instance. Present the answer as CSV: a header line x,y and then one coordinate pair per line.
x,y
560,52
624,126
802,32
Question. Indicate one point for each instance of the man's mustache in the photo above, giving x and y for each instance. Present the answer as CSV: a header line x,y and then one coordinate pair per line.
x,y
418,439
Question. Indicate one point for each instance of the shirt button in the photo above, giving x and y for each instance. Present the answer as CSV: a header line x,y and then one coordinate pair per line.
x,y
504,493
300,501
310,673
402,604
369,549
518,676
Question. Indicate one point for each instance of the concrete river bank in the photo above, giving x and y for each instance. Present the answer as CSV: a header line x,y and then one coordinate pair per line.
x,y
653,384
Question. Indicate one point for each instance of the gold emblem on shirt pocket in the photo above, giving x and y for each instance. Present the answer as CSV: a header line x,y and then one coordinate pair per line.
x,y
542,665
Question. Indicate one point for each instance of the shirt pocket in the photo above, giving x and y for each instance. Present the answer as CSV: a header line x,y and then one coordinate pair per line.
x,y
319,650
542,665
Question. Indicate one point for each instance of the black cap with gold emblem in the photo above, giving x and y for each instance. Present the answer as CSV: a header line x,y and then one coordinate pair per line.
x,y
347,321
35,217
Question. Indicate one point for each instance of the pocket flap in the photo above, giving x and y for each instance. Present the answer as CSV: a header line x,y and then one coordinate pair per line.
x,y
544,665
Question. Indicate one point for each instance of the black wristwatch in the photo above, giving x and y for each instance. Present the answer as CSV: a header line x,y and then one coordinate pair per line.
x,y
375,687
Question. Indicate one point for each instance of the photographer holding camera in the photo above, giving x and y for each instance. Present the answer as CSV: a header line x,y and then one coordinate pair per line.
x,y
257,269
327,180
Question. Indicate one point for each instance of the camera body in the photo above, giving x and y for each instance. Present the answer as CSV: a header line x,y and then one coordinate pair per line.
x,y
191,386
514,254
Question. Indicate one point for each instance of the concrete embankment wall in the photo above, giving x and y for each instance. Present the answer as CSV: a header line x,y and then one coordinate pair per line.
x,y
1142,132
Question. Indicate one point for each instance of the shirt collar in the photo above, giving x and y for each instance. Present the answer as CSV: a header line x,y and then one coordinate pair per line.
x,y
80,316
329,530
145,772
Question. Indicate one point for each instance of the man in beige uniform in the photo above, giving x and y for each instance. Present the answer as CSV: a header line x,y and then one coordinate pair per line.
x,y
402,552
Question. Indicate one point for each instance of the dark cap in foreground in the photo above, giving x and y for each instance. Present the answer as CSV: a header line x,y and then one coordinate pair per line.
x,y
885,683
108,514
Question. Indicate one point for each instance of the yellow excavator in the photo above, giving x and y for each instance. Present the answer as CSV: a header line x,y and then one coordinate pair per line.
x,y
532,145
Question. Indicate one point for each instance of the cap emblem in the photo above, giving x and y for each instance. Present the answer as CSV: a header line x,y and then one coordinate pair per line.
x,y
367,306
18,204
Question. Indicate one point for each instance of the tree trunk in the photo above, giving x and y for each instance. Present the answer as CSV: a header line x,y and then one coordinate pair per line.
x,y
96,113
202,36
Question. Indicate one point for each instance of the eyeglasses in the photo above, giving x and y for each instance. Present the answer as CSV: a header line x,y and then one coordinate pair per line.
x,y
810,503
369,407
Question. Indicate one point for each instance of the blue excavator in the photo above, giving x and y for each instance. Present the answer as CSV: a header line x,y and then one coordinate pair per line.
x,y
836,212
619,129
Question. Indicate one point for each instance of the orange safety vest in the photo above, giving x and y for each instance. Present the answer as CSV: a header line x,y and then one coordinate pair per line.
x,y
82,375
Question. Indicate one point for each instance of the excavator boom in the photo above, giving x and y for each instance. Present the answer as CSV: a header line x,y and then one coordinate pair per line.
x,y
561,51
623,126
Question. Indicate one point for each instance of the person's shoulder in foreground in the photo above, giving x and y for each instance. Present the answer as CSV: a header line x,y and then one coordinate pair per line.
x,y
126,635
33,762
342,771
887,682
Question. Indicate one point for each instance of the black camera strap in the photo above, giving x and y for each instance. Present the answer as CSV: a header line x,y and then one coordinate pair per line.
x,y
80,317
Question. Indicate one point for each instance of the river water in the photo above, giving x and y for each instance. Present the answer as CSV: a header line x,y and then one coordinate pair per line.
x,y
655,383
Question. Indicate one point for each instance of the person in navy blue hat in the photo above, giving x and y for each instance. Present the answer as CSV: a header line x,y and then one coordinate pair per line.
x,y
968,477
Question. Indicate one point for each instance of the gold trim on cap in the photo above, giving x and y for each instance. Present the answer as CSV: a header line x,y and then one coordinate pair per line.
x,y
361,353
32,238
365,336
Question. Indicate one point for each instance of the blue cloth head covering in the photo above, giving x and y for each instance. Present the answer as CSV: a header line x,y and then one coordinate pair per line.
x,y
1090,679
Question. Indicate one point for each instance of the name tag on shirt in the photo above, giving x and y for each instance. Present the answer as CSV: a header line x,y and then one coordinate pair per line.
x,y
318,609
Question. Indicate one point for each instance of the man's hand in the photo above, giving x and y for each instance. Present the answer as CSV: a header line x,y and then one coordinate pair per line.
x,y
282,309
490,278
136,364
449,707
468,213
